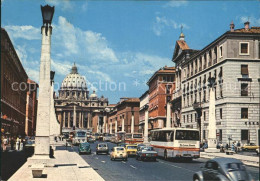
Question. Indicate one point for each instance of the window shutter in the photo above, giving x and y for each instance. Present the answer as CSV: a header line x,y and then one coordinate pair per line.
x,y
244,69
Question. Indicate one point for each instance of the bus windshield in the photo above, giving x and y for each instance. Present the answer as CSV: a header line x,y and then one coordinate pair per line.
x,y
187,135
128,135
137,136
81,134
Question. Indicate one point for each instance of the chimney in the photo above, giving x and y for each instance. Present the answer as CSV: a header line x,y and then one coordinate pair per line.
x,y
247,25
232,26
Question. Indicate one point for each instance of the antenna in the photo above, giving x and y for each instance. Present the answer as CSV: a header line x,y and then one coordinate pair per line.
x,y
181,28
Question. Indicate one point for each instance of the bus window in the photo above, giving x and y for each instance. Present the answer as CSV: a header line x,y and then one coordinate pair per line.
x,y
187,135
137,135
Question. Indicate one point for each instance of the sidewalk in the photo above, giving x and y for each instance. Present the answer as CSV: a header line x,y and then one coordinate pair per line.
x,y
68,166
247,160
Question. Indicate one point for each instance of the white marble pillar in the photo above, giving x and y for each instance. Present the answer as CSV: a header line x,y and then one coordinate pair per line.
x,y
42,139
168,115
132,123
104,124
110,128
146,117
88,120
80,123
74,116
212,138
116,126
69,119
123,124
63,119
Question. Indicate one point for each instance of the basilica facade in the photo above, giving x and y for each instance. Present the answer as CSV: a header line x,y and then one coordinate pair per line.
x,y
76,109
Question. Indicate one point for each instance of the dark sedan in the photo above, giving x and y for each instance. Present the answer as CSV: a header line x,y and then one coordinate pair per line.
x,y
84,148
146,153
222,169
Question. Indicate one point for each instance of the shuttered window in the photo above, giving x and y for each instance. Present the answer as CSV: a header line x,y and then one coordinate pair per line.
x,y
244,69
244,113
244,89
244,48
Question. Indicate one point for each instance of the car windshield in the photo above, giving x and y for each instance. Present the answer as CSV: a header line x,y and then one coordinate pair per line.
x,y
102,145
132,147
30,142
81,134
148,148
235,166
137,136
187,135
85,144
120,149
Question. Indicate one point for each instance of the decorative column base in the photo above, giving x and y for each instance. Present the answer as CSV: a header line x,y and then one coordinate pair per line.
x,y
212,146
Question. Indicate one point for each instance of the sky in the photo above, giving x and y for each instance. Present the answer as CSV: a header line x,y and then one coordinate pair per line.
x,y
118,45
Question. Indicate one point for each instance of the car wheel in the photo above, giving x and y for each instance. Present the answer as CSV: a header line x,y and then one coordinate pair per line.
x,y
165,155
196,178
111,158
136,157
97,153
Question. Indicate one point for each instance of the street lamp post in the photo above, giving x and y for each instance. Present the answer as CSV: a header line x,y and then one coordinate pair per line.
x,y
132,120
42,139
146,117
168,112
212,138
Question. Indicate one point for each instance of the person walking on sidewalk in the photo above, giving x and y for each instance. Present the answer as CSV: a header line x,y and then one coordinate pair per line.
x,y
12,143
5,143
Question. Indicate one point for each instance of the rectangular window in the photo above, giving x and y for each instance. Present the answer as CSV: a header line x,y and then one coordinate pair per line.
x,y
183,119
244,134
244,113
220,135
244,48
204,116
220,113
204,134
244,89
244,71
221,51
191,118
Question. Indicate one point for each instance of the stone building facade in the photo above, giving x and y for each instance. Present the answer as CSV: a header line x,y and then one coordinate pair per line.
x,y
161,86
75,108
124,116
31,108
144,102
233,59
13,89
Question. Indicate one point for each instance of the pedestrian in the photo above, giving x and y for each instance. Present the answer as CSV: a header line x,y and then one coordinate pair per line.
x,y
226,146
12,143
233,146
5,143
21,145
17,145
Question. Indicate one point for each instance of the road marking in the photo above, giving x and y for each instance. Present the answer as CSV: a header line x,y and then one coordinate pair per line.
x,y
97,158
178,167
123,162
133,166
103,161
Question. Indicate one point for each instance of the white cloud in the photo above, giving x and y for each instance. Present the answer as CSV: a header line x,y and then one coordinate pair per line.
x,y
162,22
253,20
64,4
175,3
27,32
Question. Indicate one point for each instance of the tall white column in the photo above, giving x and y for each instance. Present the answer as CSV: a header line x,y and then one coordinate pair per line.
x,y
80,123
212,138
64,124
88,120
132,123
42,139
74,116
116,126
146,117
69,119
110,128
123,124
105,124
168,115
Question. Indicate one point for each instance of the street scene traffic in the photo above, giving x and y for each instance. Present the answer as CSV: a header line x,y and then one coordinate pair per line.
x,y
130,90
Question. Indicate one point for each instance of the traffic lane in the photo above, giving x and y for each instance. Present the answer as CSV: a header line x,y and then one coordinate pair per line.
x,y
139,170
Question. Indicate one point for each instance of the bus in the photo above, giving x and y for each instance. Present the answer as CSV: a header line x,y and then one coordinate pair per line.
x,y
80,137
134,138
176,142
120,137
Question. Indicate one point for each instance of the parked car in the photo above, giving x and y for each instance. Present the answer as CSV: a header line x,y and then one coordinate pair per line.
x,y
118,153
226,169
146,153
131,150
102,148
84,148
250,146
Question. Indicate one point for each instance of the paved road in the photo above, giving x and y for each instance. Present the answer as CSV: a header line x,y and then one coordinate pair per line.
x,y
138,170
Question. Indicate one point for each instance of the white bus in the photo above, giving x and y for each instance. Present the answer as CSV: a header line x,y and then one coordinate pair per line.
x,y
134,138
80,137
176,142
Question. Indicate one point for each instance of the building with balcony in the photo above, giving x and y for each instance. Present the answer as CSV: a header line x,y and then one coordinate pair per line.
x,y
234,60
161,86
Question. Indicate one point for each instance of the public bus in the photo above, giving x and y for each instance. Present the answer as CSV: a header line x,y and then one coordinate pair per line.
x,y
120,137
80,137
176,142
134,138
